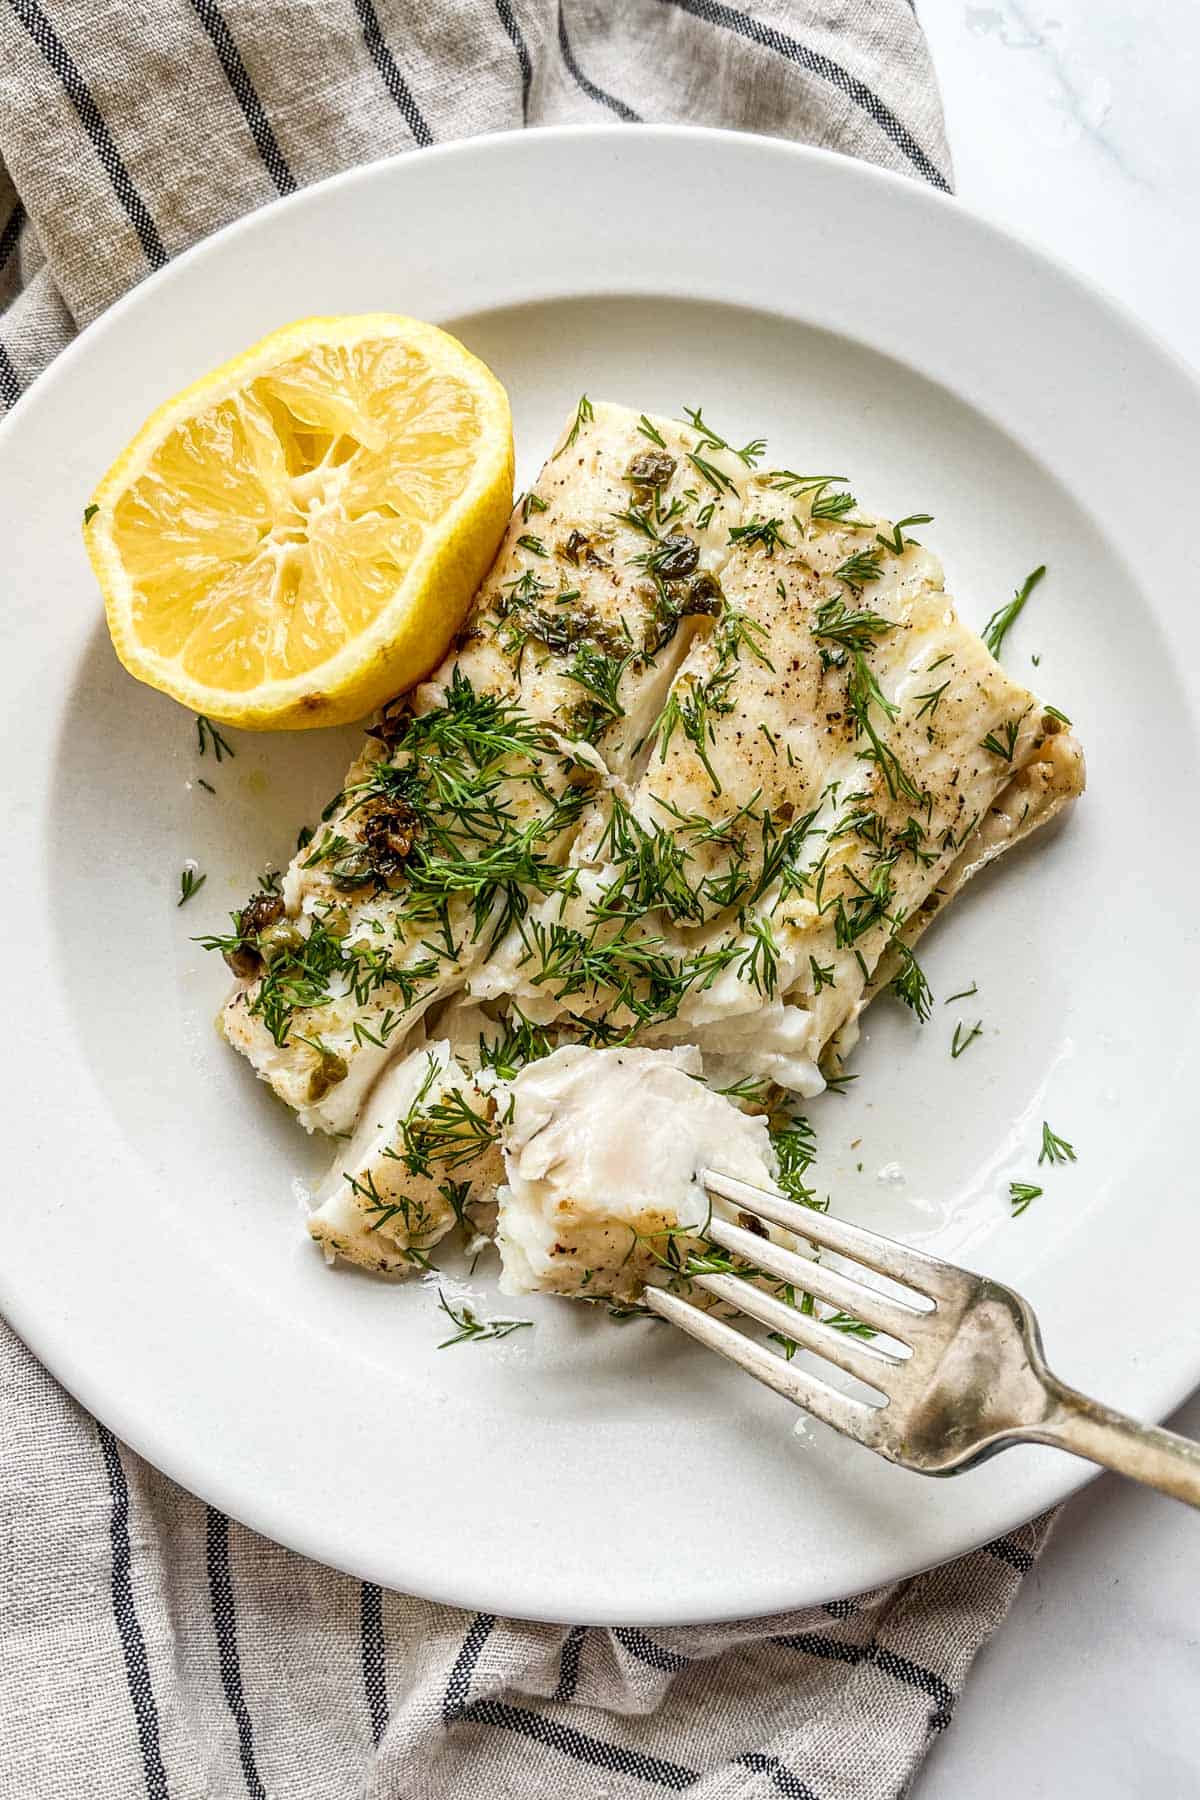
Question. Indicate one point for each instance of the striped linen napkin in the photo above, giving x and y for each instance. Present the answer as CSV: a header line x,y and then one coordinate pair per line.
x,y
149,1645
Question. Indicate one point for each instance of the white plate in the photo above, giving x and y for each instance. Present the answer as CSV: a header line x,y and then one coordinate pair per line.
x,y
152,1253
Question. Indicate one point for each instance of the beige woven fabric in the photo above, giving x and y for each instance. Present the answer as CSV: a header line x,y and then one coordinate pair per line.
x,y
149,1646
130,128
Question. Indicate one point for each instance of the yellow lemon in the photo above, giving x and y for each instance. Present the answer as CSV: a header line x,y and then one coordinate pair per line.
x,y
295,538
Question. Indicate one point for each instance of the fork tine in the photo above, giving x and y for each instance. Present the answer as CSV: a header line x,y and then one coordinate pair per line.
x,y
914,1268
865,1303
844,1352
854,1417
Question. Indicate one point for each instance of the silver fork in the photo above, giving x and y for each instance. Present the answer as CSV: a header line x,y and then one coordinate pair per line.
x,y
975,1380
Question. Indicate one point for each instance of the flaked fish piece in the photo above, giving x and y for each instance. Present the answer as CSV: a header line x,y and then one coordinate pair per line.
x,y
423,1154
603,1149
464,808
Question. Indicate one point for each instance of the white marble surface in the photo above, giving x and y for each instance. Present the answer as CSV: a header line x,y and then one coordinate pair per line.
x,y
1077,123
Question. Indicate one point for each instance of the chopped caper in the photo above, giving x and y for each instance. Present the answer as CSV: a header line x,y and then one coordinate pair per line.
x,y
676,557
330,1069
279,940
258,915
653,468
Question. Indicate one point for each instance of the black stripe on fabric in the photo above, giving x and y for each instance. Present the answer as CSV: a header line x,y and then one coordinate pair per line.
x,y
579,1745
245,93
458,1687
598,94
220,1594
713,12
374,1660
508,19
10,234
841,1609
647,1651
60,60
10,386
568,1667
389,71
1007,1550
129,1630
782,1778
900,1668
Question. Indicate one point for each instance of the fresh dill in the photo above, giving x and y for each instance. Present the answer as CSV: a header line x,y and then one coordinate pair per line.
x,y
584,414
830,501
1004,744
206,785
849,629
470,1328
766,533
650,431
963,1039
89,513
1054,1149
534,545
207,734
849,1325
760,964
858,569
532,503
599,676
795,1147
864,691
749,454
190,882
910,985
716,478
897,543
1002,621
1053,713
931,700
1022,1194
823,974
966,994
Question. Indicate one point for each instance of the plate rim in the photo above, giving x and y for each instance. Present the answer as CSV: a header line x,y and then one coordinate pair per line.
x,y
140,1434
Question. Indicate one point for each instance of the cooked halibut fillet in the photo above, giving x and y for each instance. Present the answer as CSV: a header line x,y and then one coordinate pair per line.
x,y
424,1148
826,753
602,1153
710,753
460,808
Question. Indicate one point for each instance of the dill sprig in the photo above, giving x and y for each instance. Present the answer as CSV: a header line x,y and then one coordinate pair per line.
x,y
1002,621
470,1328
858,569
910,984
897,543
584,414
849,629
963,1038
208,736
795,1147
749,454
766,533
1054,1149
190,882
1022,1194
1003,744
864,691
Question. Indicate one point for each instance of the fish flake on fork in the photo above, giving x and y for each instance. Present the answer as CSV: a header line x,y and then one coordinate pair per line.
x,y
958,1373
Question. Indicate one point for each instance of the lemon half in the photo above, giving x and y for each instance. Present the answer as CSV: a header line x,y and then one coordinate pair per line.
x,y
295,538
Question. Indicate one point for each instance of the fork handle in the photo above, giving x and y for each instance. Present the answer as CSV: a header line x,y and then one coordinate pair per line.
x,y
1159,1459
